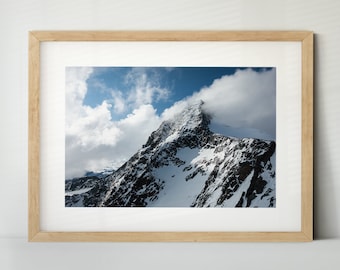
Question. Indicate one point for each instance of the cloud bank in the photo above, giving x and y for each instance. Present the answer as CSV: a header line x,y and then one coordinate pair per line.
x,y
246,99
94,141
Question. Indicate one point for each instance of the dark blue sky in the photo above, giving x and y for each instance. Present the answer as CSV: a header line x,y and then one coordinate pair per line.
x,y
178,82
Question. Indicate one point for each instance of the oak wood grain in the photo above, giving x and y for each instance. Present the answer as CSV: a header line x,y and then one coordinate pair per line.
x,y
306,39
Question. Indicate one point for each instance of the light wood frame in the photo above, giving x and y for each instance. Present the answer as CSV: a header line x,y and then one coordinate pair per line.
x,y
34,231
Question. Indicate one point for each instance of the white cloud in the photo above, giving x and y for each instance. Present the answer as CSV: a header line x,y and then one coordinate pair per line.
x,y
132,132
136,128
145,87
176,108
94,140
119,105
76,87
246,99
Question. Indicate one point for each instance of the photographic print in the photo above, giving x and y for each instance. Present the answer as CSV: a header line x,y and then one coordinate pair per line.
x,y
170,137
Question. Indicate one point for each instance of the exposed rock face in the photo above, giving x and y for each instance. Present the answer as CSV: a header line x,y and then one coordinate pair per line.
x,y
184,164
84,191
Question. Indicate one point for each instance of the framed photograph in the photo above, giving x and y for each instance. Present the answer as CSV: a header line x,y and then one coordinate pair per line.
x,y
174,136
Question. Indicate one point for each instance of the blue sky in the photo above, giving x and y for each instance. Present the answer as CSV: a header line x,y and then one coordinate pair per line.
x,y
177,83
111,111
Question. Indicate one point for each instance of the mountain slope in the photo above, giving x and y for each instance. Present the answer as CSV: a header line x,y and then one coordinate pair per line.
x,y
184,164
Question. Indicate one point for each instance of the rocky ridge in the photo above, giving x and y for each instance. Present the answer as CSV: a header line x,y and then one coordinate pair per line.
x,y
184,164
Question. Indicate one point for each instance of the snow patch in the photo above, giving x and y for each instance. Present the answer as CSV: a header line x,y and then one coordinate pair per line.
x,y
77,192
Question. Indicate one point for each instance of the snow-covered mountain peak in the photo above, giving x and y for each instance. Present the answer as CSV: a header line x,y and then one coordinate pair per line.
x,y
191,117
192,121
185,164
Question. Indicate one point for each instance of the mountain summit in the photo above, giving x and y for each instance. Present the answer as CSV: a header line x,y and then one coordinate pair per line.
x,y
185,164
190,124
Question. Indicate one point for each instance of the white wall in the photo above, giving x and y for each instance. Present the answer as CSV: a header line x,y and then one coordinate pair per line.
x,y
17,17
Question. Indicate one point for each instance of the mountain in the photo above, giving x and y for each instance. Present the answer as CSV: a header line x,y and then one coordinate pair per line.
x,y
85,191
185,164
